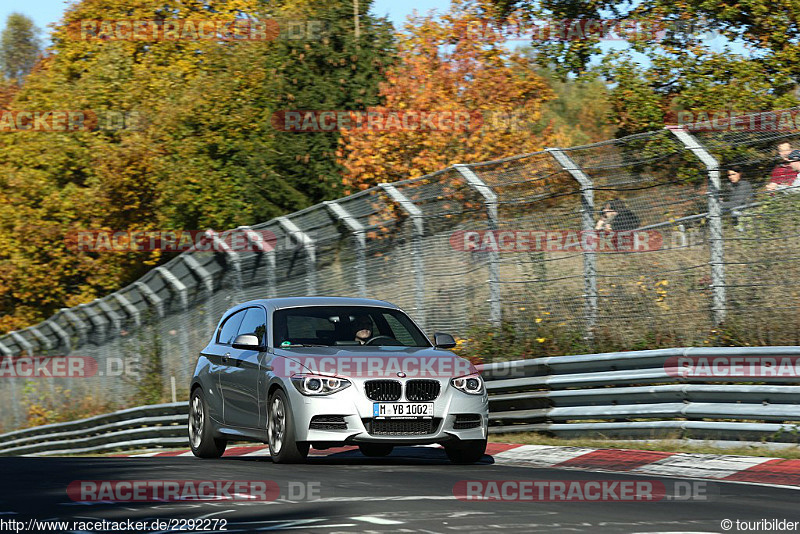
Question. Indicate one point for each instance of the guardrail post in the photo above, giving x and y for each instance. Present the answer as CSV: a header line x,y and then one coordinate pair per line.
x,y
416,247
490,199
310,249
357,229
716,243
268,251
587,225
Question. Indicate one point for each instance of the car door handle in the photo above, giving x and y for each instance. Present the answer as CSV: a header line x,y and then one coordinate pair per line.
x,y
225,357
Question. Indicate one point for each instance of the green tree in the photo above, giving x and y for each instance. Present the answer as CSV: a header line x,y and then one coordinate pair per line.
x,y
685,69
19,47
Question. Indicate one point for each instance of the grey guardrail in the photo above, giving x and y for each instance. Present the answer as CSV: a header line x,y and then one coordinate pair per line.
x,y
615,395
154,425
633,395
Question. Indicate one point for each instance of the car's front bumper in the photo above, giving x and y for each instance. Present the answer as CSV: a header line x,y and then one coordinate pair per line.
x,y
357,411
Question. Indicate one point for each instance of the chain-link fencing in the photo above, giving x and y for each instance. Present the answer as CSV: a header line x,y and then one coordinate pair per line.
x,y
521,243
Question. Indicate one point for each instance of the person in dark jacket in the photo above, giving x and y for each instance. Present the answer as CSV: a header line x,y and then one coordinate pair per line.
x,y
741,191
617,217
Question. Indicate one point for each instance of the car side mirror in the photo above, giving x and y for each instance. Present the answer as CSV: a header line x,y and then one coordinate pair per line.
x,y
443,341
247,342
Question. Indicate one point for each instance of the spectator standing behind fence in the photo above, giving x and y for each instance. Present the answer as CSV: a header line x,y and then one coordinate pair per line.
x,y
740,194
617,217
741,191
784,174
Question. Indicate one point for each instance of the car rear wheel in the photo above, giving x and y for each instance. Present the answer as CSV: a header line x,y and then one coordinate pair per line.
x,y
375,449
281,432
201,435
465,451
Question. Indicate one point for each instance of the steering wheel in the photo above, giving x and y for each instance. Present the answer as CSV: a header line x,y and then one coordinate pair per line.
x,y
378,338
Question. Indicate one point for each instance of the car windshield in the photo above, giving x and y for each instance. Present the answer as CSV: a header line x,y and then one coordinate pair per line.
x,y
345,326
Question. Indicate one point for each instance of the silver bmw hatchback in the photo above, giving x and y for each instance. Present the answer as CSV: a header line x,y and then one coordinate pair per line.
x,y
327,371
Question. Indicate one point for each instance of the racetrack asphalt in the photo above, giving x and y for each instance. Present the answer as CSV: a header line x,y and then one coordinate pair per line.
x,y
410,491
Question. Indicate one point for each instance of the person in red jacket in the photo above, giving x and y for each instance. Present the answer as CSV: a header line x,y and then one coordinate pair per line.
x,y
783,175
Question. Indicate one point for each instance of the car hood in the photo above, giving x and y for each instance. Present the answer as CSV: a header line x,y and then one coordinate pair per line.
x,y
375,362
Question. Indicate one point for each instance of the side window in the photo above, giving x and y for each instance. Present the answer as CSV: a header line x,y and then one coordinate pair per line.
x,y
255,322
227,332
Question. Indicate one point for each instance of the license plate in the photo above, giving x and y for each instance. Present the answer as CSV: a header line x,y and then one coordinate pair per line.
x,y
407,410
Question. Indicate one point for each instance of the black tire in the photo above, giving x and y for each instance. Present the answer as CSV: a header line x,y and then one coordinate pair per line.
x,y
466,452
281,432
375,450
201,433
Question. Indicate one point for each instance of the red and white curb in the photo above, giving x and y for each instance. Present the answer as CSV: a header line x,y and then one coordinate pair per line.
x,y
752,469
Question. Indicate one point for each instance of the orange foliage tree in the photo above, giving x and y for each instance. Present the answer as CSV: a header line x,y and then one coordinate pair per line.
x,y
452,63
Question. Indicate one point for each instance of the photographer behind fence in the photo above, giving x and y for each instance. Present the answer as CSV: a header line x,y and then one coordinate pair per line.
x,y
617,217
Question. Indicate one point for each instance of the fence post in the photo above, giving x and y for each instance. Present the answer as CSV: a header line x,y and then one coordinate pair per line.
x,y
416,247
715,241
151,297
41,339
208,283
490,199
111,315
130,309
183,334
5,352
255,239
587,225
310,249
233,257
361,243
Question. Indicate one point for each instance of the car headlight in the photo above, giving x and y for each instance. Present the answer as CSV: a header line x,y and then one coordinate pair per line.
x,y
319,385
472,384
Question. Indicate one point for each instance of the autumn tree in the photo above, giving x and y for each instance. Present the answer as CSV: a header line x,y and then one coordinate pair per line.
x,y
445,66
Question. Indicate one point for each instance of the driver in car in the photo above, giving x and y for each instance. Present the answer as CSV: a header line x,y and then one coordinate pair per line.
x,y
363,327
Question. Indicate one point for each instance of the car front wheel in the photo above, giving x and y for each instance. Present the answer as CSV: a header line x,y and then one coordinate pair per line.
x,y
201,435
281,432
466,451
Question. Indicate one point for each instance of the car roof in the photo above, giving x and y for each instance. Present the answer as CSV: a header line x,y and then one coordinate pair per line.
x,y
294,302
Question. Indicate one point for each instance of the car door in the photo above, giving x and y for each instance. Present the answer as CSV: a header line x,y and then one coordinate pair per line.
x,y
239,380
218,353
